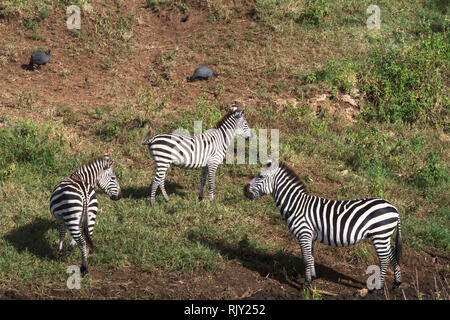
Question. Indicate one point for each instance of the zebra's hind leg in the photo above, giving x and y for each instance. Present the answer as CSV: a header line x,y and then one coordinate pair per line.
x,y
163,190
71,246
158,181
395,264
84,264
203,182
382,247
62,234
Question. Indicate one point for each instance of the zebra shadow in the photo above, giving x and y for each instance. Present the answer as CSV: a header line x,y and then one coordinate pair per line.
x,y
144,192
281,266
31,238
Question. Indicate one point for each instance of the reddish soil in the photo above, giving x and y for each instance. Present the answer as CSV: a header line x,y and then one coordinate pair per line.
x,y
77,80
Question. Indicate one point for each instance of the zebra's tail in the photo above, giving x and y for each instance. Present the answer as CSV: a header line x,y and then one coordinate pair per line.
x,y
85,228
398,242
147,139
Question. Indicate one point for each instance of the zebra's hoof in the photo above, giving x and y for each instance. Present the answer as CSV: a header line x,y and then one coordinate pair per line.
x,y
396,285
84,271
375,291
200,198
307,284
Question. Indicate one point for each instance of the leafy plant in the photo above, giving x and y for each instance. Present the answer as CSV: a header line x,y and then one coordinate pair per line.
x,y
407,84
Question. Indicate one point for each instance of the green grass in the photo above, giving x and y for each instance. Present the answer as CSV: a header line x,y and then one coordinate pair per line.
x,y
397,148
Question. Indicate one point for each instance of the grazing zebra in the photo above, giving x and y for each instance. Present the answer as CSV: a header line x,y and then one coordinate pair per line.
x,y
205,150
73,203
337,223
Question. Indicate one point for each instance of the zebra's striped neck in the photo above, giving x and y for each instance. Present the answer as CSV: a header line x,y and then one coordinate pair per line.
x,y
227,124
91,171
286,186
227,128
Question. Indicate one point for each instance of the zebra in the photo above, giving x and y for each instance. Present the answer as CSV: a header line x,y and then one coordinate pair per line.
x,y
73,203
205,150
336,223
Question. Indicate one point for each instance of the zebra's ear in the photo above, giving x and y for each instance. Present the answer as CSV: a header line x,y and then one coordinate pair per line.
x,y
269,163
238,114
108,164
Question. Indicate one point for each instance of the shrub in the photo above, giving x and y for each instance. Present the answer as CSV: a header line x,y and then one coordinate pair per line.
x,y
406,85
27,145
433,174
314,13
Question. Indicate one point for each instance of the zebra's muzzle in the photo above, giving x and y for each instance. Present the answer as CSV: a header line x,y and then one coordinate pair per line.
x,y
116,196
247,192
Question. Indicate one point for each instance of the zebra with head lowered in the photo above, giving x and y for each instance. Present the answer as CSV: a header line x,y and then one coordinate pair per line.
x,y
205,150
337,223
73,203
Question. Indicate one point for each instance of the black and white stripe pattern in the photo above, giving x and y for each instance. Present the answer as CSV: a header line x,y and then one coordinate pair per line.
x,y
205,150
337,223
73,203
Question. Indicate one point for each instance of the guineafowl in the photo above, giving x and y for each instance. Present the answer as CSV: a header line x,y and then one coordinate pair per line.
x,y
201,73
39,58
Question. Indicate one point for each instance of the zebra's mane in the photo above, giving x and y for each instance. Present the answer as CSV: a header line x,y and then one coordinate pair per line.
x,y
291,173
224,118
99,160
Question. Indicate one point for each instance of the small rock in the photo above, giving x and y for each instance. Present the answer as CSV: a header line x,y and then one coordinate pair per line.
x,y
403,285
87,8
355,92
322,97
363,292
348,99
344,172
390,134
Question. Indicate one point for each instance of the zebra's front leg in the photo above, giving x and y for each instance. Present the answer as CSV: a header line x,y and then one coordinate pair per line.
x,y
305,244
203,182
211,180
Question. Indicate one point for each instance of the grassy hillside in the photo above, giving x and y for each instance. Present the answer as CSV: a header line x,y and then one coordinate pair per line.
x,y
360,112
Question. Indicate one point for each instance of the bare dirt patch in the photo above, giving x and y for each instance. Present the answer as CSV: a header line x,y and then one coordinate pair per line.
x,y
77,79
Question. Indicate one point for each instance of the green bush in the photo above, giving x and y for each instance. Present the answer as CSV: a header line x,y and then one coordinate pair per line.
x,y
433,174
314,13
27,145
337,74
407,85
366,149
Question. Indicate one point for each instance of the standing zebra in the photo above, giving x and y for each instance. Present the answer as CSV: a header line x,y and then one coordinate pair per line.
x,y
205,150
337,223
73,203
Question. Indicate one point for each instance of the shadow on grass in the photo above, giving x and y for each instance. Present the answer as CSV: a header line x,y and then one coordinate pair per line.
x,y
30,237
281,266
144,192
